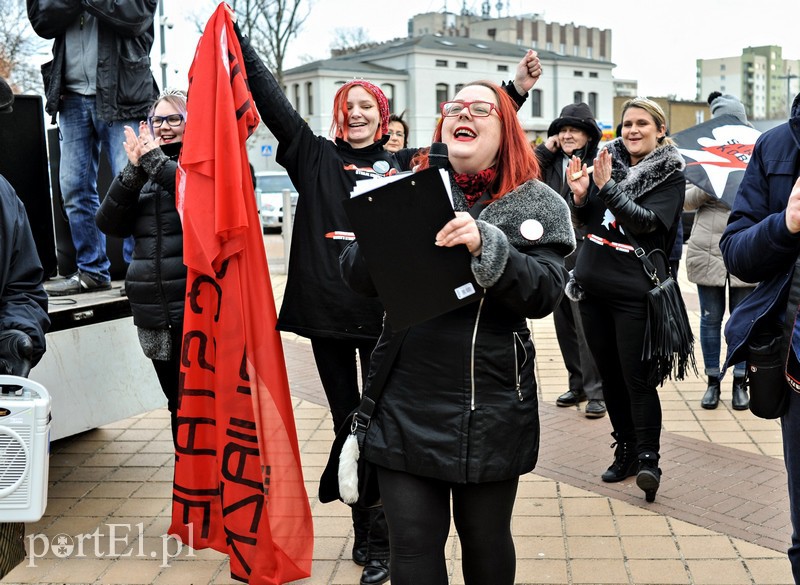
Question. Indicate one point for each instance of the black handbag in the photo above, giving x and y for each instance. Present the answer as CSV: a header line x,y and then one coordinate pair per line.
x,y
766,375
347,476
668,341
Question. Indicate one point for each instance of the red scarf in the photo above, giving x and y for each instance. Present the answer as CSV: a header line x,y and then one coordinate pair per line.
x,y
474,186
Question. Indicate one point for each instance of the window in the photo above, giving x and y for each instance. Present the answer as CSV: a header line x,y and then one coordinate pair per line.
x,y
441,95
577,97
577,73
562,48
502,67
441,62
459,87
593,101
589,53
461,64
593,74
296,92
536,103
388,91
310,97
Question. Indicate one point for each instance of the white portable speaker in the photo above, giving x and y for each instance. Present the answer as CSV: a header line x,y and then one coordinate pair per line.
x,y
24,449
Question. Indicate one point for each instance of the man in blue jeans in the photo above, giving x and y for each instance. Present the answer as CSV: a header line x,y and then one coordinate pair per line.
x,y
98,82
762,244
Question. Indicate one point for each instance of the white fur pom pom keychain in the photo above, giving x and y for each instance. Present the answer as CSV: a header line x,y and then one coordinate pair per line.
x,y
348,470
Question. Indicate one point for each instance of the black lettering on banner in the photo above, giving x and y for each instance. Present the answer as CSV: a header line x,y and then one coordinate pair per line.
x,y
195,292
202,345
189,427
204,507
233,540
256,501
234,464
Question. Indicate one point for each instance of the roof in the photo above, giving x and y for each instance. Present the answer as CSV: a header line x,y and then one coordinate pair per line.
x,y
362,60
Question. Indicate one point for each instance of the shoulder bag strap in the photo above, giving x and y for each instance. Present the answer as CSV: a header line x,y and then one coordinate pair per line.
x,y
649,267
373,392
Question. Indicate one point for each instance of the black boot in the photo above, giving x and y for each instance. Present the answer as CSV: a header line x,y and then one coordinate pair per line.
x,y
375,572
625,462
361,523
741,401
711,397
649,477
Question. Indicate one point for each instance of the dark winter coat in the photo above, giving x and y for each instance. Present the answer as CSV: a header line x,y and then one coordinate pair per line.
x,y
756,245
23,302
460,403
316,303
125,84
145,209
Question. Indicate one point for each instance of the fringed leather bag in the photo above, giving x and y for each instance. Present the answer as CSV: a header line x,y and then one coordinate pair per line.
x,y
668,341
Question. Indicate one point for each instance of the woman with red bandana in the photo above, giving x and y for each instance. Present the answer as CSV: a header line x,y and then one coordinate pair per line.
x,y
343,326
457,420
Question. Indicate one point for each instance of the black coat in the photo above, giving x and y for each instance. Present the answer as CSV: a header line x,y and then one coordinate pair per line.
x,y
316,303
23,302
125,84
156,279
460,403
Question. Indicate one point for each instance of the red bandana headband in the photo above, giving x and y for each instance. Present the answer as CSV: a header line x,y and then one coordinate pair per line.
x,y
377,93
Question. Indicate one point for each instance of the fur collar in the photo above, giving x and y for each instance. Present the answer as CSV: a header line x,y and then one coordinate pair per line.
x,y
634,181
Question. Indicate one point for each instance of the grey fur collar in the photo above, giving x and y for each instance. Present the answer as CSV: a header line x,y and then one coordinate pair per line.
x,y
652,170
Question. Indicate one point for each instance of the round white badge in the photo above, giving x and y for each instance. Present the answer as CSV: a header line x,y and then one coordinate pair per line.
x,y
381,166
531,229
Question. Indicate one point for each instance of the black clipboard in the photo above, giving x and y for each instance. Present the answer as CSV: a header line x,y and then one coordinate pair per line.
x,y
395,226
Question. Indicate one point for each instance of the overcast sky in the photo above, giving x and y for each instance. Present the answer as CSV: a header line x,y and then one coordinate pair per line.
x,y
655,43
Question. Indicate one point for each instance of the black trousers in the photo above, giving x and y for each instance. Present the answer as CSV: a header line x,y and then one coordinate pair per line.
x,y
418,513
583,373
168,373
338,372
615,331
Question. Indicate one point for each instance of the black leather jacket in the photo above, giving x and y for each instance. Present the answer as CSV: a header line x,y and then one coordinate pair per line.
x,y
125,85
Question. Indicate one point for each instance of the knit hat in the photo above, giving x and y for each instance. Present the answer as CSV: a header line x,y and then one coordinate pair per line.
x,y
6,97
726,104
578,116
376,92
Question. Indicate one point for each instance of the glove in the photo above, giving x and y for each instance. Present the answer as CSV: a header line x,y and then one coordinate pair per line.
x,y
16,352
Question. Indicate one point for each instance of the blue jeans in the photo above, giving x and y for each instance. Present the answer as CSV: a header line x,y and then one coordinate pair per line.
x,y
83,134
790,427
712,309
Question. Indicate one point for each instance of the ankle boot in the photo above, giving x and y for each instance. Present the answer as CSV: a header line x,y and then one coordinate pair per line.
x,y
711,397
625,461
649,476
741,401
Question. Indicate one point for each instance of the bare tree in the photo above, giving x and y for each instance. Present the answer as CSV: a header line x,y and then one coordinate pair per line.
x,y
270,24
347,40
18,43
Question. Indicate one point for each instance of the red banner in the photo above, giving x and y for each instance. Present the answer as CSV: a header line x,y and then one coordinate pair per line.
x,y
238,478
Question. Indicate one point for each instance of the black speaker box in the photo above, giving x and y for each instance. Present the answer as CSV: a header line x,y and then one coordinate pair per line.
x,y
23,162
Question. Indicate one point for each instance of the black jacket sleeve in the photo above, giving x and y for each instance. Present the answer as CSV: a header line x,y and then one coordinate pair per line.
x,y
51,18
636,218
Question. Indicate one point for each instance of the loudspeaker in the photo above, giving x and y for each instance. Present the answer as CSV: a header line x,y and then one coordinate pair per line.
x,y
65,249
23,163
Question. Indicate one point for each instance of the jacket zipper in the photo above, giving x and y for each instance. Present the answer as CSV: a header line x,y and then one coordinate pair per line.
x,y
517,372
472,354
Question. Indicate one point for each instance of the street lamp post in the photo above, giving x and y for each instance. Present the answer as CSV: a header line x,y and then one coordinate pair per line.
x,y
162,24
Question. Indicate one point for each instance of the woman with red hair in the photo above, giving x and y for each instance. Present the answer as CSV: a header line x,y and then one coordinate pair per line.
x,y
458,415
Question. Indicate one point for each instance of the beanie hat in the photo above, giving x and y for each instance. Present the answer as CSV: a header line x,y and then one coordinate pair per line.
x,y
375,91
6,97
578,116
727,104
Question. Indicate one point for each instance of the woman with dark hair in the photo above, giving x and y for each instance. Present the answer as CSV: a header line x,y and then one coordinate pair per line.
x,y
141,203
471,368
398,133
636,190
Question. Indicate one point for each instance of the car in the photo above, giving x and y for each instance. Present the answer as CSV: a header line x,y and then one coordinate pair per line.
x,y
269,198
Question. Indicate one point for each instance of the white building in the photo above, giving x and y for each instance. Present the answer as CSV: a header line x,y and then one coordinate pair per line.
x,y
418,73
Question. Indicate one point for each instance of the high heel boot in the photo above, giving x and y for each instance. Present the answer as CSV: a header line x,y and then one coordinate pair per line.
x,y
625,461
711,398
741,401
649,477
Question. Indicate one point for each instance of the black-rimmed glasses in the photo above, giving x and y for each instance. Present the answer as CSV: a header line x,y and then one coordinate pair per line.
x,y
171,120
478,109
